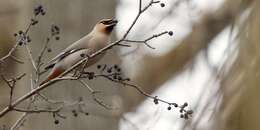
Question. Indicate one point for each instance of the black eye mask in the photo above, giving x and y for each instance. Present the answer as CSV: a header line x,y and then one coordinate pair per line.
x,y
106,22
109,22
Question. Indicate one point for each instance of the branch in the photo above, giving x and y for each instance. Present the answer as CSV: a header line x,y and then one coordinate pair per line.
x,y
19,122
11,84
149,38
38,111
16,59
31,57
93,93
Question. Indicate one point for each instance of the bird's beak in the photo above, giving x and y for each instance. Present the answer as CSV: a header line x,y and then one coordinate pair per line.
x,y
113,22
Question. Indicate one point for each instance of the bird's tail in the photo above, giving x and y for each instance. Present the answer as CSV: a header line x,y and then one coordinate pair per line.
x,y
55,73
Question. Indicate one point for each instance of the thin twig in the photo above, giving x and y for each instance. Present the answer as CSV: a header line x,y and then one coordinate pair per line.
x,y
19,122
16,59
29,52
93,93
38,111
145,41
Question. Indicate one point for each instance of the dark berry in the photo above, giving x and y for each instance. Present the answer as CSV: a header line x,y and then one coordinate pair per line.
x,y
20,43
20,32
56,122
162,4
109,70
185,104
40,7
118,70
86,114
170,33
43,13
28,39
169,108
98,66
57,38
175,105
115,66
56,28
155,100
75,114
115,77
49,50
15,34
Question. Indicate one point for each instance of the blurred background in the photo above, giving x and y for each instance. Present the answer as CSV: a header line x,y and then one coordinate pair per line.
x,y
211,61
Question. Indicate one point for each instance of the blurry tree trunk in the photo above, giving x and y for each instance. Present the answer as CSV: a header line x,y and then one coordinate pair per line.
x,y
240,87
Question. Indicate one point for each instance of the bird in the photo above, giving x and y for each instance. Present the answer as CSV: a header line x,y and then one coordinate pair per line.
x,y
97,39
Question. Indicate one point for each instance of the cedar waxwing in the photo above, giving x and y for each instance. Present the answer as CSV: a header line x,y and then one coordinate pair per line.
x,y
97,39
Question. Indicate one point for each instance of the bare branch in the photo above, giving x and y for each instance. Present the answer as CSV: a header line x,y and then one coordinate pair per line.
x,y
31,58
93,93
19,122
16,59
38,111
148,39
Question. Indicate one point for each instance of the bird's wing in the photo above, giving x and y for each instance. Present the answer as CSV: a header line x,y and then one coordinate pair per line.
x,y
63,55
60,57
78,45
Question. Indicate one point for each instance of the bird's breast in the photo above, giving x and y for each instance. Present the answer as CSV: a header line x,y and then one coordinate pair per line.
x,y
98,42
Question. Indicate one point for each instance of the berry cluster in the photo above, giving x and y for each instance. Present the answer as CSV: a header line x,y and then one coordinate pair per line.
x,y
75,112
22,37
112,72
55,31
183,112
39,10
56,117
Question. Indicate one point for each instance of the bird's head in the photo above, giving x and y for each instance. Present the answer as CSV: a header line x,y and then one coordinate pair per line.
x,y
106,25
